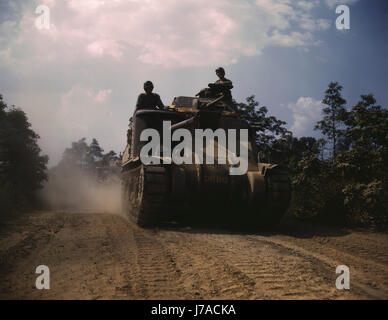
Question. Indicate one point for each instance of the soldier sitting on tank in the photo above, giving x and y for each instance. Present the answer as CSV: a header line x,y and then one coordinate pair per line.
x,y
149,100
221,87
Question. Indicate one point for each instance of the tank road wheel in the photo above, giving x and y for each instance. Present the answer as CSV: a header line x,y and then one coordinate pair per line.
x,y
149,196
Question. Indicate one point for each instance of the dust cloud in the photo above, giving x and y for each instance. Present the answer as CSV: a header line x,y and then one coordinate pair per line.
x,y
72,189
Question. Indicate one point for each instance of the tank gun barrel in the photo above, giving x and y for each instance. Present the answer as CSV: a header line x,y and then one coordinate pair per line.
x,y
183,123
214,101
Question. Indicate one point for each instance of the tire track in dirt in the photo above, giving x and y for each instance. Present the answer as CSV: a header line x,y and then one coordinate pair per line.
x,y
102,256
202,272
366,246
273,271
368,278
15,259
155,275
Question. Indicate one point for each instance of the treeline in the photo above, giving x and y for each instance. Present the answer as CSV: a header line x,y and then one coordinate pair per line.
x,y
22,166
341,178
83,161
87,157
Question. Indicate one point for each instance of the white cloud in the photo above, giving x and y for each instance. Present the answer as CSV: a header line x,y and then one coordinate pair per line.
x,y
83,112
170,32
102,95
306,22
106,47
334,3
80,103
307,5
306,111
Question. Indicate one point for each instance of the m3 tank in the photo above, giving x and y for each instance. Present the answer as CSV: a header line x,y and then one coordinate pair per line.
x,y
166,191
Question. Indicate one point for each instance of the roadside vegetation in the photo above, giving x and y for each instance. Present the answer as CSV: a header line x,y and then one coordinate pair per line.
x,y
341,178
23,167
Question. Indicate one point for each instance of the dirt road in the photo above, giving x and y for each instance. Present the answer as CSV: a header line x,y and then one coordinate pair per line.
x,y
101,256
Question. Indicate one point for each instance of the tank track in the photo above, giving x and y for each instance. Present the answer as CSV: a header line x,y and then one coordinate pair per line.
x,y
146,191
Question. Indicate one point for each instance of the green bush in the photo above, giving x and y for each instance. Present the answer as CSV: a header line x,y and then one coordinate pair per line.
x,y
367,204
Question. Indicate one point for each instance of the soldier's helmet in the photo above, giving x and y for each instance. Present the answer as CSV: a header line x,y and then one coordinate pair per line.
x,y
220,70
148,85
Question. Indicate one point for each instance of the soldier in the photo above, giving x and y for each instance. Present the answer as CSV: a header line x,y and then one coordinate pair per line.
x,y
222,85
149,100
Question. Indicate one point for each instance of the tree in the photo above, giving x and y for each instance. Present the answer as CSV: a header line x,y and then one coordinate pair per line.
x,y
364,165
334,118
367,137
352,186
367,124
290,150
3,136
266,128
110,156
95,152
86,157
23,167
77,155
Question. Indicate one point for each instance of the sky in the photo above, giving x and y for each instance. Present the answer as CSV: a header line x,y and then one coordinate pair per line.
x,y
81,77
